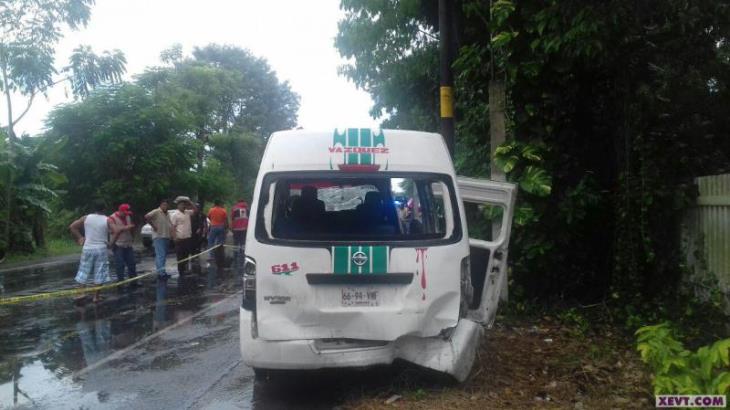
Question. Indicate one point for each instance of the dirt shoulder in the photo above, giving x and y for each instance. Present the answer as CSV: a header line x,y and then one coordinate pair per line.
x,y
534,363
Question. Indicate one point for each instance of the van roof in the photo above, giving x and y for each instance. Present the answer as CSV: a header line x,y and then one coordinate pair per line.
x,y
357,150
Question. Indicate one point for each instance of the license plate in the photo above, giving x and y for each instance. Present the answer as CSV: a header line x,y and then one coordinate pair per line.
x,y
353,297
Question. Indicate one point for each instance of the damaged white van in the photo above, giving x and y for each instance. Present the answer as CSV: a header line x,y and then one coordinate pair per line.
x,y
358,253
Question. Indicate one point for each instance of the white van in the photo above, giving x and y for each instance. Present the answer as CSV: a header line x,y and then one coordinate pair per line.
x,y
358,254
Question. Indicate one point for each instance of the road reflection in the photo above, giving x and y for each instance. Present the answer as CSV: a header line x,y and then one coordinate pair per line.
x,y
160,317
43,344
95,335
170,344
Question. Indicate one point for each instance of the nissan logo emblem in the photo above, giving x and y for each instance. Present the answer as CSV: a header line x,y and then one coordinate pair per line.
x,y
359,258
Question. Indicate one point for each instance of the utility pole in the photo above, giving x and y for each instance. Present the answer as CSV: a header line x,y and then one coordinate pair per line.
x,y
497,129
446,89
497,134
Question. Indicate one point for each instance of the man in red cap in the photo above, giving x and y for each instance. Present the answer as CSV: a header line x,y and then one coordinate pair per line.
x,y
121,226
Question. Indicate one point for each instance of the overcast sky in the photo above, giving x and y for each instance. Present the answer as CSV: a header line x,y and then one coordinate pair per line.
x,y
295,36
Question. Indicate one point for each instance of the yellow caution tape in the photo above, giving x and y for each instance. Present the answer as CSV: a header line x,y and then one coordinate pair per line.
x,y
78,291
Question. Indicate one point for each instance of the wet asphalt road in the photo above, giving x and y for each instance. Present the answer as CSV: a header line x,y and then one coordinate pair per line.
x,y
162,345
159,345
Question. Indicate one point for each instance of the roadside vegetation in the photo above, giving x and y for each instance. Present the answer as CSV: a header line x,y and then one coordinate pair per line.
x,y
564,356
533,360
194,125
612,109
53,247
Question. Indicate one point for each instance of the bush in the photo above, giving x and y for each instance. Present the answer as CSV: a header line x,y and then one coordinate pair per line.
x,y
677,370
58,223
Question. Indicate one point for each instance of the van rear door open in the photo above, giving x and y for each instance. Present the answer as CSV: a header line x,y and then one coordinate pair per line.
x,y
454,352
491,280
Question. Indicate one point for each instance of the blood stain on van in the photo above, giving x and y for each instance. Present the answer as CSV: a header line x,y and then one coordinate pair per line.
x,y
421,256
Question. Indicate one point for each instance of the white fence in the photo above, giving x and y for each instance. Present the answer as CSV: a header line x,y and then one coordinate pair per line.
x,y
706,233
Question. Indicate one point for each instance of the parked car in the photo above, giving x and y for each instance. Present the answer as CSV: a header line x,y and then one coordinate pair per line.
x,y
147,236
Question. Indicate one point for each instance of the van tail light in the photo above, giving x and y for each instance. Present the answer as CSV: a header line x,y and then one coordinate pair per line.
x,y
249,284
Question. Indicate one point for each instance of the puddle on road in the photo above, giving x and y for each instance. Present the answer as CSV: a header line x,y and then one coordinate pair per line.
x,y
35,385
39,279
42,346
43,343
164,362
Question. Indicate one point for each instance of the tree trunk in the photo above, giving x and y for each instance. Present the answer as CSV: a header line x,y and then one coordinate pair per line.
x,y
201,136
39,235
497,135
11,156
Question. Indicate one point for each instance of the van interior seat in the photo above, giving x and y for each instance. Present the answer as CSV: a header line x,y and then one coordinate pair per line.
x,y
305,214
308,209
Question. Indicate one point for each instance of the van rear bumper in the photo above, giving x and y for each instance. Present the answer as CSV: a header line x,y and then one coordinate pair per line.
x,y
304,354
453,355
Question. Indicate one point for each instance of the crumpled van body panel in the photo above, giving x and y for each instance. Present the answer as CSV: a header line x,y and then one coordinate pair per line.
x,y
289,308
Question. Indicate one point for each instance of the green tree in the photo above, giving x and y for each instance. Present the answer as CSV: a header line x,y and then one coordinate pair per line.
x,y
29,32
190,128
260,103
629,113
232,100
34,181
613,106
394,52
120,145
241,154
226,88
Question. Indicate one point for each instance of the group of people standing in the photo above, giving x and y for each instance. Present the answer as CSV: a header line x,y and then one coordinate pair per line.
x,y
178,228
186,227
97,233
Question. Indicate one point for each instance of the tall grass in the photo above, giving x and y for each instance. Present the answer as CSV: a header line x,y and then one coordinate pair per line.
x,y
54,247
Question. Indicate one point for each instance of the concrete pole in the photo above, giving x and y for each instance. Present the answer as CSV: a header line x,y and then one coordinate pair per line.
x,y
497,130
497,134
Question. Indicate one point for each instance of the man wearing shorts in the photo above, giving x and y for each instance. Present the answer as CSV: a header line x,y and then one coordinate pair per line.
x,y
94,264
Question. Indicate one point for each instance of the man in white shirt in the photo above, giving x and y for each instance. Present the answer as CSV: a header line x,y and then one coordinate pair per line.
x,y
182,233
95,240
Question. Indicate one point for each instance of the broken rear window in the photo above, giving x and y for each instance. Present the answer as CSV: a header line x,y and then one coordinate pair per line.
x,y
359,208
